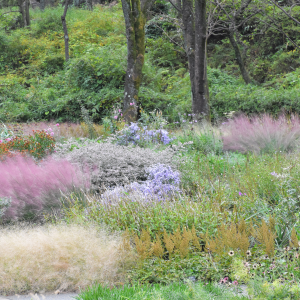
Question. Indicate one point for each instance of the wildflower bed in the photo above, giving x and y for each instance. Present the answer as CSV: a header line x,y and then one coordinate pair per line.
x,y
188,207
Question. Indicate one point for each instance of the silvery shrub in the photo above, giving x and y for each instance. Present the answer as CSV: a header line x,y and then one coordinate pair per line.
x,y
162,183
111,165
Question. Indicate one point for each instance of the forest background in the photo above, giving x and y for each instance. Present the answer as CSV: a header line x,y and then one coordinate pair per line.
x,y
37,83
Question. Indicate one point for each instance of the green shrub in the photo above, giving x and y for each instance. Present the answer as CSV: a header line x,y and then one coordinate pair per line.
x,y
48,20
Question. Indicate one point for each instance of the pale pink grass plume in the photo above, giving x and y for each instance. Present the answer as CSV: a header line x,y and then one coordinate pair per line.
x,y
261,134
27,183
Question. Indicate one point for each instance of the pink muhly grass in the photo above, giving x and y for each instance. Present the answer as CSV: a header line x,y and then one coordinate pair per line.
x,y
28,184
261,134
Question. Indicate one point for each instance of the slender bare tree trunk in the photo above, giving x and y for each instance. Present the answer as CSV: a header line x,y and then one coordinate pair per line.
x,y
27,16
200,101
189,39
66,36
135,14
239,57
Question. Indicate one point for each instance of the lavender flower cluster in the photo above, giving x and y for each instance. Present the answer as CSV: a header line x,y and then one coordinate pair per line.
x,y
133,134
162,182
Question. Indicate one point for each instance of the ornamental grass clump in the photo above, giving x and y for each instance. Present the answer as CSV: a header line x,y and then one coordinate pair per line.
x,y
60,258
32,188
261,134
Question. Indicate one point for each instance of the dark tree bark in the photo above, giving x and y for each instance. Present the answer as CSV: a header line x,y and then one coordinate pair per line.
x,y
239,58
194,33
135,14
89,4
189,39
22,13
200,101
27,16
42,4
66,36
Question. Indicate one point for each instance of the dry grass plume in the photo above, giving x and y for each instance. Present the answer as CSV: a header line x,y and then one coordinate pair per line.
x,y
61,257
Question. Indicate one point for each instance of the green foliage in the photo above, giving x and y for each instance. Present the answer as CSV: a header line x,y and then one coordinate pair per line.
x,y
53,64
175,291
165,271
260,289
164,54
202,138
48,21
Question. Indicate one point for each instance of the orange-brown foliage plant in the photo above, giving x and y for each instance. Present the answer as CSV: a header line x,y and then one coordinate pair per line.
x,y
178,243
231,237
143,244
265,235
294,242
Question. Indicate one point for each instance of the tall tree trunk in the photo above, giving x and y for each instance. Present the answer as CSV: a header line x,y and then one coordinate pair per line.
x,y
66,36
239,58
89,4
200,101
22,12
27,16
135,19
189,39
42,4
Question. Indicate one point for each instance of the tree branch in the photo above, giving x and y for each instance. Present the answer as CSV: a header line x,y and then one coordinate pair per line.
x,y
290,16
179,10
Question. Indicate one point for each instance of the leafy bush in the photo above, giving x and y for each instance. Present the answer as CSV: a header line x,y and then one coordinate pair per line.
x,y
33,187
49,21
261,134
